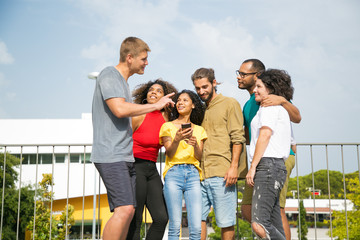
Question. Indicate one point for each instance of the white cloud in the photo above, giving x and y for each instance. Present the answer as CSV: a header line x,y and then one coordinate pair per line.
x,y
5,56
102,54
120,19
224,41
11,96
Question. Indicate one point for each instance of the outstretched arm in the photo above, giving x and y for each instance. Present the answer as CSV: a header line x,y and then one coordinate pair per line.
x,y
293,111
120,108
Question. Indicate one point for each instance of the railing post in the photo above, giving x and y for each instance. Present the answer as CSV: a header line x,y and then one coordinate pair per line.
x,y
329,194
313,188
36,187
83,198
94,208
3,195
344,180
19,197
298,191
52,189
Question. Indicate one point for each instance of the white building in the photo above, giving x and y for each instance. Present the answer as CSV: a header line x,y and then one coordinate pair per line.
x,y
68,139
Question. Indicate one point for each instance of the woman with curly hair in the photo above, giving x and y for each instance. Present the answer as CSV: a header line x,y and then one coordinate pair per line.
x,y
183,139
146,147
269,148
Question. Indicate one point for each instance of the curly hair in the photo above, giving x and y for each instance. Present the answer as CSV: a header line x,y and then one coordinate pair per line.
x,y
140,92
278,82
197,114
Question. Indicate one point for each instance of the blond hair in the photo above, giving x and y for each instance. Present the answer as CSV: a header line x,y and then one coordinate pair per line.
x,y
133,46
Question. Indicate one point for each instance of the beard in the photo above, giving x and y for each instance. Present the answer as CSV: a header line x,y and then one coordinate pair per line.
x,y
207,99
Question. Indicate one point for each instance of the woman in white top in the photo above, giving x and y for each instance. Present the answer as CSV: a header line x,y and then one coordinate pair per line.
x,y
269,147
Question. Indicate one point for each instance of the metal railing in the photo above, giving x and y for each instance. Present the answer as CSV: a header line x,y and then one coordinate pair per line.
x,y
310,157
350,162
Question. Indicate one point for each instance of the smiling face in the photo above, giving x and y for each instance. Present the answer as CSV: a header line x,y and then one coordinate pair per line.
x,y
260,90
154,94
184,104
205,89
139,62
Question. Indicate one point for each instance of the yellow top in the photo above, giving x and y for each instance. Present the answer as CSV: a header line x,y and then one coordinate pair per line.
x,y
185,152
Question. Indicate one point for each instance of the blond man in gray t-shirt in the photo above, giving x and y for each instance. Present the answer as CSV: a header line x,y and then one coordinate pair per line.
x,y
112,140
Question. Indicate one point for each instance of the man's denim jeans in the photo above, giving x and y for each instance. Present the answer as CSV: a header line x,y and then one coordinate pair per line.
x,y
269,179
183,179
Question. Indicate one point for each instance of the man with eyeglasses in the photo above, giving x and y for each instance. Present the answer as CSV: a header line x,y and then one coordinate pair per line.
x,y
246,77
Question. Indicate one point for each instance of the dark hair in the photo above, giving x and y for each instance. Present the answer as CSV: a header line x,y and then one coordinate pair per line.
x,y
256,64
140,92
278,82
197,114
208,73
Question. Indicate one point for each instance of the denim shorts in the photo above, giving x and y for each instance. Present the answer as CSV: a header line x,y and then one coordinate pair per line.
x,y
119,179
268,181
223,199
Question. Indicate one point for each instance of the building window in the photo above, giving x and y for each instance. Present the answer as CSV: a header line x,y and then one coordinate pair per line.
x,y
76,229
87,158
60,158
74,158
32,158
46,158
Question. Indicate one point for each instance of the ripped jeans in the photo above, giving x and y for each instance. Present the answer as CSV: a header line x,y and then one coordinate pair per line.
x,y
269,179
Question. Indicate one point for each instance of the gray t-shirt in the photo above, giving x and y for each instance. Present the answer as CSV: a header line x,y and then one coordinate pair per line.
x,y
112,136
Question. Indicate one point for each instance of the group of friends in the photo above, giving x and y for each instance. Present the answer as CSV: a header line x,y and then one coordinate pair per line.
x,y
205,136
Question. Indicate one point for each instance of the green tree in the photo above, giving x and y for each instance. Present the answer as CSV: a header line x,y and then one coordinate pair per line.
x,y
303,230
243,228
320,182
216,235
43,214
353,215
11,199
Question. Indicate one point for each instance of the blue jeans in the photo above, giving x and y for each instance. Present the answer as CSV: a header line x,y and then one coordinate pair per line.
x,y
265,210
183,179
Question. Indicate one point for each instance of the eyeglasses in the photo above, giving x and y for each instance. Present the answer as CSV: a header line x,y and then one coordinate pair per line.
x,y
242,74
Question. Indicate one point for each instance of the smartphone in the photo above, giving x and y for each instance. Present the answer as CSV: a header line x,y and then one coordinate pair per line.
x,y
185,125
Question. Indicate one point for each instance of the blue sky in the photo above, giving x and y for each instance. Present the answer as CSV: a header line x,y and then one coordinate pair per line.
x,y
48,47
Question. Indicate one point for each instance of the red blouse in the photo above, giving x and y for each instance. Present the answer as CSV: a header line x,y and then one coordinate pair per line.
x,y
146,137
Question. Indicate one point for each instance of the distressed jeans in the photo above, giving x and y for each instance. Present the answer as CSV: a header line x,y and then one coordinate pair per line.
x,y
269,179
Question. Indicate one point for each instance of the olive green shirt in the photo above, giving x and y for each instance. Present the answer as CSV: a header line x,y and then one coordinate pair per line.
x,y
223,123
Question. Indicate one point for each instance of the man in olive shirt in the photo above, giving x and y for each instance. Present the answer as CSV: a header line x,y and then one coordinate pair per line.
x,y
223,122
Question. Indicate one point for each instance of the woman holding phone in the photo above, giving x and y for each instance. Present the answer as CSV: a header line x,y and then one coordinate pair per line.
x,y
183,140
146,147
269,148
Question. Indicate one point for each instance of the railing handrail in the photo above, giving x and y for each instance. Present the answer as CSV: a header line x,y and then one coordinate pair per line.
x,y
46,145
89,144
328,144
